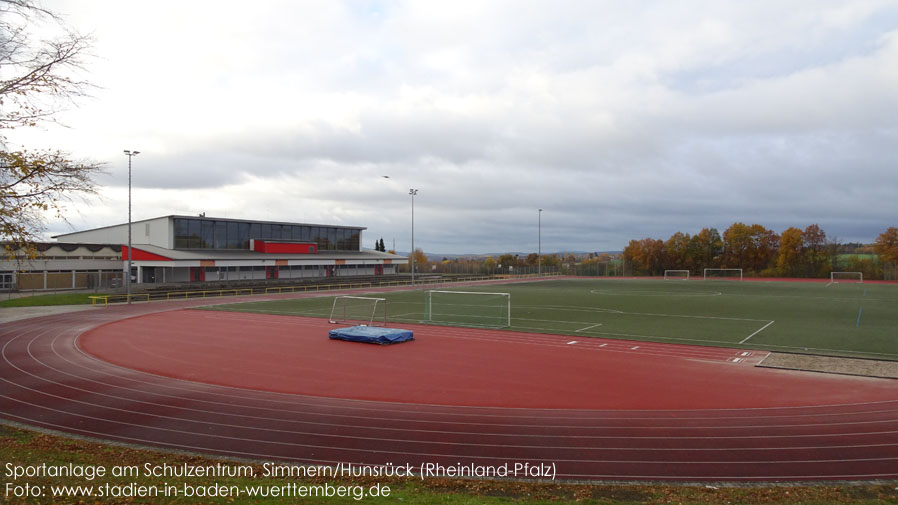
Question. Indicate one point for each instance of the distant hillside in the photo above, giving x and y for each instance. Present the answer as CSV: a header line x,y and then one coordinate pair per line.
x,y
433,257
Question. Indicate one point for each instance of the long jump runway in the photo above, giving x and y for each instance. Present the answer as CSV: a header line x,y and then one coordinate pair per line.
x,y
275,388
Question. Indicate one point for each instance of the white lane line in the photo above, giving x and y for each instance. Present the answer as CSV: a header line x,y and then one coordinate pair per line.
x,y
755,333
588,327
572,342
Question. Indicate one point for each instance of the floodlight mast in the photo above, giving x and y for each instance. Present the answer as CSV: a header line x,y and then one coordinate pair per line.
x,y
539,246
130,154
413,192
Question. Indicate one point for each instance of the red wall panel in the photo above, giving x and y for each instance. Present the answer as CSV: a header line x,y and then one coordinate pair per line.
x,y
139,255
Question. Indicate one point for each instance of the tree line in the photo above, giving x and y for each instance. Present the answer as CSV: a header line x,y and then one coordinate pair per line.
x,y
759,251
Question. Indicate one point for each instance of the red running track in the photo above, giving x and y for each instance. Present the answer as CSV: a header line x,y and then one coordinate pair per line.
x,y
273,387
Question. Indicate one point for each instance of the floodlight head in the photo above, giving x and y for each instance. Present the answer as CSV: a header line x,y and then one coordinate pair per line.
x,y
413,192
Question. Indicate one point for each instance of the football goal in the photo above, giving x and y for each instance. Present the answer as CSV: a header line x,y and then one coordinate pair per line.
x,y
359,310
732,274
469,308
853,277
676,274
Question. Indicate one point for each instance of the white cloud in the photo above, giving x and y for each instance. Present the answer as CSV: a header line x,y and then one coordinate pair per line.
x,y
621,120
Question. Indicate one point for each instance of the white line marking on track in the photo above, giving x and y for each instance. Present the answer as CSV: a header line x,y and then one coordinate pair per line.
x,y
572,342
634,348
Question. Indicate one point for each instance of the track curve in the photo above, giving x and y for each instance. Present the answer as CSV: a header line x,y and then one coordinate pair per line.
x,y
49,382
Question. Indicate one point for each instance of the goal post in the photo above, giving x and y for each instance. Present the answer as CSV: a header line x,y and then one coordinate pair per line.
x,y
361,310
676,274
853,277
732,274
468,308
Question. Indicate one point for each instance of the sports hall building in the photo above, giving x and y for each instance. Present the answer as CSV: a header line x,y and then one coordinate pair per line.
x,y
190,249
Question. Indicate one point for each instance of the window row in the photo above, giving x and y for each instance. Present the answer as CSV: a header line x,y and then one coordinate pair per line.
x,y
283,268
212,234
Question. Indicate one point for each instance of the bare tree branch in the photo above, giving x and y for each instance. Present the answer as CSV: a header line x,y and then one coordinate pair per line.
x,y
37,76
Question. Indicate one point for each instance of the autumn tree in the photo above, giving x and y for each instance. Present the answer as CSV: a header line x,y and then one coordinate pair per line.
x,y
816,251
646,256
705,248
570,260
749,247
766,243
886,245
551,260
36,81
531,260
507,260
420,259
833,247
677,252
790,256
738,243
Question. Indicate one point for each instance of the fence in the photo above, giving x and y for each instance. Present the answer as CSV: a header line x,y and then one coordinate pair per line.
x,y
423,281
58,280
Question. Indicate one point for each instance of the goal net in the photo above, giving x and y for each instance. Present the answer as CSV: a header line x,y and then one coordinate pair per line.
x,y
853,277
359,310
469,308
676,274
733,274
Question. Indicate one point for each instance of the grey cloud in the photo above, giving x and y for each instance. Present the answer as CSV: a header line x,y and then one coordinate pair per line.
x,y
622,121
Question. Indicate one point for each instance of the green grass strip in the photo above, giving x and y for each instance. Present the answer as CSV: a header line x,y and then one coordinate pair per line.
x,y
45,300
24,448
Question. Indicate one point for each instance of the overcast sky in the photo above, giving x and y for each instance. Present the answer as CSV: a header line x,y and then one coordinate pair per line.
x,y
622,120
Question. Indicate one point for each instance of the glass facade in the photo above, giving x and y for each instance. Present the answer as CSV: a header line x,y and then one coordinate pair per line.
x,y
191,233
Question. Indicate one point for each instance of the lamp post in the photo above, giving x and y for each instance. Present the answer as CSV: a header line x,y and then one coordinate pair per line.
x,y
413,192
539,246
130,154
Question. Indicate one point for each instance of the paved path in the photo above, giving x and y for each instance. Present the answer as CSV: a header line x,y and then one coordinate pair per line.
x,y
9,314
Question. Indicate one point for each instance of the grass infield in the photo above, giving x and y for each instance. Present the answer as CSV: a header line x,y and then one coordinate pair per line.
x,y
842,319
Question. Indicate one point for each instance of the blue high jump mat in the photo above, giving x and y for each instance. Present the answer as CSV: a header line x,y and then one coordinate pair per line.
x,y
372,335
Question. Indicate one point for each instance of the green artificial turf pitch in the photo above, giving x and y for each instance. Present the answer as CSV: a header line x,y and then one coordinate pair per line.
x,y
848,319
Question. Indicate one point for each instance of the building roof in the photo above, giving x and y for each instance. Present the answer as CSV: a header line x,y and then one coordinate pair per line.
x,y
243,254
206,218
